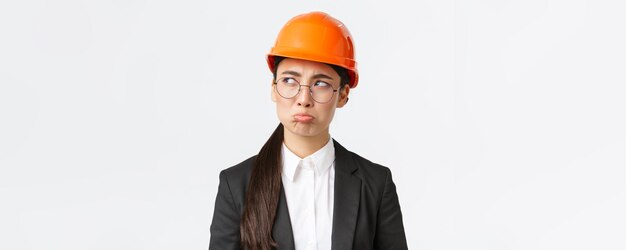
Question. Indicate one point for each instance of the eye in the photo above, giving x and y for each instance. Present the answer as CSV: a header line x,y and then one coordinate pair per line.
x,y
322,84
289,81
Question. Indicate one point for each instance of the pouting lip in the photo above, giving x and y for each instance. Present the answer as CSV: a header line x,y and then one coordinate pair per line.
x,y
303,118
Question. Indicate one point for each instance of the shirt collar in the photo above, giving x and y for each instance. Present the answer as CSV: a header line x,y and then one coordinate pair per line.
x,y
322,159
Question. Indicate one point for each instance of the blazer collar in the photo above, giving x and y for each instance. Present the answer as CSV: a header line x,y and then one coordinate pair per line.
x,y
345,210
281,231
347,198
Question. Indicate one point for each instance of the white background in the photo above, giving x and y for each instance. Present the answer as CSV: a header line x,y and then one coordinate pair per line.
x,y
502,121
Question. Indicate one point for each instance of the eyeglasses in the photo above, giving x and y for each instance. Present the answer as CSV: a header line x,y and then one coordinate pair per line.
x,y
320,91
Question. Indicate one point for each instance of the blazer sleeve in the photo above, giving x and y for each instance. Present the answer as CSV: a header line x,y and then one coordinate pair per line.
x,y
389,228
226,217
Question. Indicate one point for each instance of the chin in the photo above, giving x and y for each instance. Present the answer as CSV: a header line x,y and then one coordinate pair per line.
x,y
304,129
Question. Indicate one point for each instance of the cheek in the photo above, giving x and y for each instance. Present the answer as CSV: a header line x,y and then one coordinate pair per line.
x,y
282,108
327,112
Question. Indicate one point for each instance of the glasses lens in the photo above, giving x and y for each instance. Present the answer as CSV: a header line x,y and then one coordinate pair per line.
x,y
287,87
322,92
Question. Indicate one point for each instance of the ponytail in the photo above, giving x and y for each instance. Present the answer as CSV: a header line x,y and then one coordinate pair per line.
x,y
262,195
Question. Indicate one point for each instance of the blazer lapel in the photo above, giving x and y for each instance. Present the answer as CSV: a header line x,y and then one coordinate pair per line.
x,y
346,201
282,232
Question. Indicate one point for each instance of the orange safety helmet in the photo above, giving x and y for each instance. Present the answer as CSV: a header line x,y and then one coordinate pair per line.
x,y
316,36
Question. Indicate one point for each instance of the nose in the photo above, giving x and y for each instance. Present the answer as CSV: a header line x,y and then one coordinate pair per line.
x,y
304,98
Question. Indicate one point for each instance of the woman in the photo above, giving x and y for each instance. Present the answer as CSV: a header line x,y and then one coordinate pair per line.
x,y
304,190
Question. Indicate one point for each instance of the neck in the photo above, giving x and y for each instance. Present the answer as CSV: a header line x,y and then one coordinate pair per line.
x,y
304,146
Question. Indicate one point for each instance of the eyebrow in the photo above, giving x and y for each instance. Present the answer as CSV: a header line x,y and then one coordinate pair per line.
x,y
316,76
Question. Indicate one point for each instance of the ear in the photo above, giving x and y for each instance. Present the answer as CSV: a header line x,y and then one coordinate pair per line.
x,y
343,96
273,93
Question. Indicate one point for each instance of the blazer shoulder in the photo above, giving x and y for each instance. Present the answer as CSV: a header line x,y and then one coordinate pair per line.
x,y
238,176
369,166
373,174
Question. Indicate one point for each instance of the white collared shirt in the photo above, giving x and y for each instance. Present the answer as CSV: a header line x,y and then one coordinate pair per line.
x,y
309,186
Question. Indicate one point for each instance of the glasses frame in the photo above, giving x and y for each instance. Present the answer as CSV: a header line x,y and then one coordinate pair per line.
x,y
300,88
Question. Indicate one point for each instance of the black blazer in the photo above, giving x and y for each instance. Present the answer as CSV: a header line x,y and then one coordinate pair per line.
x,y
366,213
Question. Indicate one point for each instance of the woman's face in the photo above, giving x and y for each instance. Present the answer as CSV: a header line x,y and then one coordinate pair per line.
x,y
301,115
